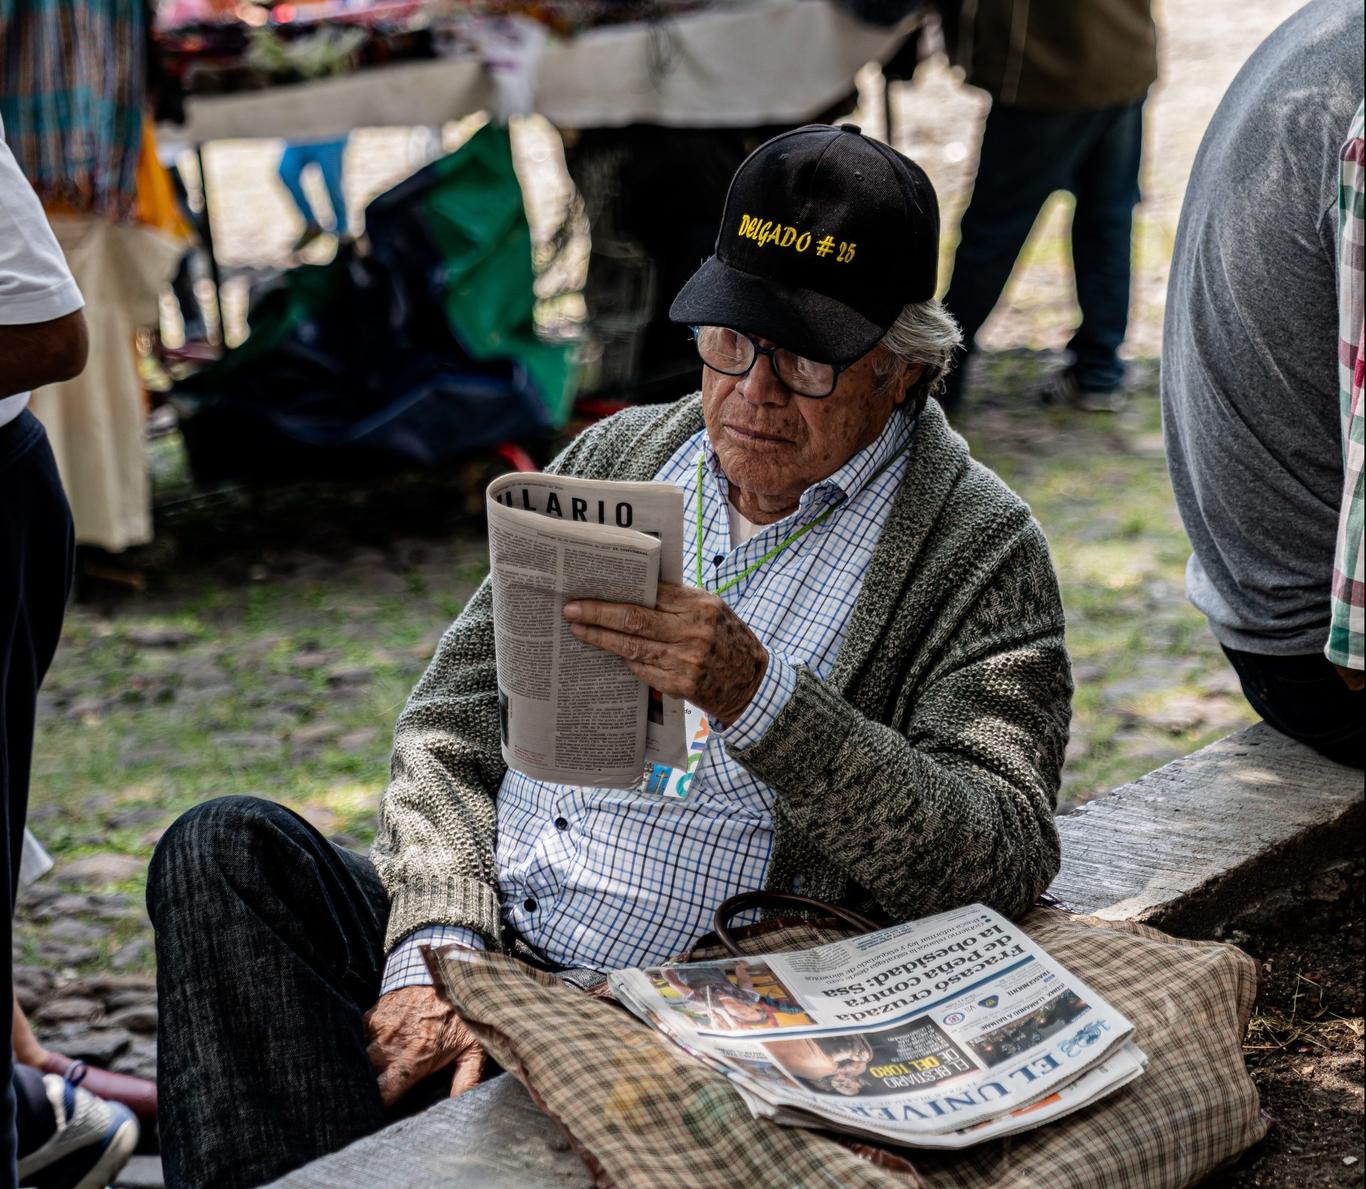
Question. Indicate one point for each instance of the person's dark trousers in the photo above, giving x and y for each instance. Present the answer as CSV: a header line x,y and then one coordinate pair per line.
x,y
1305,698
37,553
270,948
182,284
1026,156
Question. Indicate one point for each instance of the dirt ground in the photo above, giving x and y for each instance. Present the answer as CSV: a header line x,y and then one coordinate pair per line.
x,y
1304,1045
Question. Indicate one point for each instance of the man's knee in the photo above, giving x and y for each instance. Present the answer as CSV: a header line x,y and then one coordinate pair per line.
x,y
211,842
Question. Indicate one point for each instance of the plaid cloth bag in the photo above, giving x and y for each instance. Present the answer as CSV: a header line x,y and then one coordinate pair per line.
x,y
641,1112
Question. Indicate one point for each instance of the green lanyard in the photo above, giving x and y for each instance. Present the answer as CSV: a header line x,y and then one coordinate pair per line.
x,y
788,540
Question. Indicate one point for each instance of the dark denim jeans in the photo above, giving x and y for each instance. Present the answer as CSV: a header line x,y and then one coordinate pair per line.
x,y
1303,697
270,948
37,554
1026,156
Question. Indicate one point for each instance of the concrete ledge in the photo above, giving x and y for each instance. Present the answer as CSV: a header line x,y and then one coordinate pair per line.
x,y
1190,846
494,1137
1186,848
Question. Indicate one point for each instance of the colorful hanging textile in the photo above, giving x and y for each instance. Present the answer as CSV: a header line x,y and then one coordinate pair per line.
x,y
73,89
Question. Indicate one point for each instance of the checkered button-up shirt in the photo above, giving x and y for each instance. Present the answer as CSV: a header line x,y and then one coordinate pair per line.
x,y
611,878
1347,633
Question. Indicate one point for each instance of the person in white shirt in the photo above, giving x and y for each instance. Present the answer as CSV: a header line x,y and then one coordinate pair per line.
x,y
42,329
62,1130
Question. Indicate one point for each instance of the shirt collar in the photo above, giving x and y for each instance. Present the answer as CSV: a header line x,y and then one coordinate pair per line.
x,y
852,477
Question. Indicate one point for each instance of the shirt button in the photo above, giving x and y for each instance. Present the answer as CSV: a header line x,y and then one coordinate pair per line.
x,y
529,904
561,823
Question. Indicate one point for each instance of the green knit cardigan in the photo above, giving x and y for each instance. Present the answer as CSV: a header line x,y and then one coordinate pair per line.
x,y
922,774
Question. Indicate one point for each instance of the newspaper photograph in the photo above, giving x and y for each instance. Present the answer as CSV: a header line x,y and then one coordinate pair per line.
x,y
729,996
569,712
922,1033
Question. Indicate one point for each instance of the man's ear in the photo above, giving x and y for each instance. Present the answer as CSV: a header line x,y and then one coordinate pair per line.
x,y
910,379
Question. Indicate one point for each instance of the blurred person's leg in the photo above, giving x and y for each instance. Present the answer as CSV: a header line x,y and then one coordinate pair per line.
x,y
182,284
329,156
36,558
67,1135
1303,697
1026,155
292,163
182,287
1106,186
138,1094
270,942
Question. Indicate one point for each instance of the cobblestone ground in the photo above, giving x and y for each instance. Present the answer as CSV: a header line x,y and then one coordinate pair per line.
x,y
265,658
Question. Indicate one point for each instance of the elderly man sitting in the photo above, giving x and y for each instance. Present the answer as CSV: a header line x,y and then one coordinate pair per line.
x,y
874,634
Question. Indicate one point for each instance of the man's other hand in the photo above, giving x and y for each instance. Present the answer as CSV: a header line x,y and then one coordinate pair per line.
x,y
413,1033
691,646
1351,678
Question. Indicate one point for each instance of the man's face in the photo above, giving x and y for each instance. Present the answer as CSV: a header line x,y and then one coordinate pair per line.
x,y
774,444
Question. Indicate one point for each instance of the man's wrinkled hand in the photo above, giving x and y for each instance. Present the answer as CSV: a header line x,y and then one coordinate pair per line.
x,y
412,1033
1351,678
691,646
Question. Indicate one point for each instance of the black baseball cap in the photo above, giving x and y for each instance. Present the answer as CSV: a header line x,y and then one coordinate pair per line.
x,y
825,235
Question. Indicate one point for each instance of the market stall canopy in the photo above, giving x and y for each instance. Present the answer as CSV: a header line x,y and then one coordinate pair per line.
x,y
764,62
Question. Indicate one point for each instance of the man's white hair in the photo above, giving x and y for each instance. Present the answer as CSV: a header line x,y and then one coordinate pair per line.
x,y
925,333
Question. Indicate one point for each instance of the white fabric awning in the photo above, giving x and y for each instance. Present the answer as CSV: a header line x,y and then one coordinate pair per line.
x,y
765,62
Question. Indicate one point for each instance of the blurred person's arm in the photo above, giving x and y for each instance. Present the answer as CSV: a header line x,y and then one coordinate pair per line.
x,y
41,353
42,332
1346,646
27,1050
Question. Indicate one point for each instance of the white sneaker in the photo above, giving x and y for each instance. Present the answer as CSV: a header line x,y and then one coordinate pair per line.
x,y
93,1141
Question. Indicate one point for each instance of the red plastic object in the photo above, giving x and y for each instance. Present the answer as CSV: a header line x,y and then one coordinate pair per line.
x,y
517,458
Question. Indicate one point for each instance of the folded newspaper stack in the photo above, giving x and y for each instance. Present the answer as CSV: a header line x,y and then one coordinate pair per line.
x,y
939,1033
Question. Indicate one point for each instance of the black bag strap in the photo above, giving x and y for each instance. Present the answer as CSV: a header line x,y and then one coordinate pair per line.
x,y
746,901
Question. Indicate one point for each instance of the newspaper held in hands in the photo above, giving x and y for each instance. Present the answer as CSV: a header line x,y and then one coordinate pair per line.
x,y
937,1033
569,712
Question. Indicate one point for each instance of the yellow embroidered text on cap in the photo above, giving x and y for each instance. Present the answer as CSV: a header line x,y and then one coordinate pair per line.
x,y
765,231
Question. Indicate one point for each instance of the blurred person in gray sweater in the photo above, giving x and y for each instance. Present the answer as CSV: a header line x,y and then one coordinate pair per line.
x,y
1255,424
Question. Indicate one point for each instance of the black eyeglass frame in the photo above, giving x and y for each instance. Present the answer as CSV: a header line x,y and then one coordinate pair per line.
x,y
837,369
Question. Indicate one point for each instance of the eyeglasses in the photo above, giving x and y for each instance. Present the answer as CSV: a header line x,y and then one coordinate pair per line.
x,y
733,353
